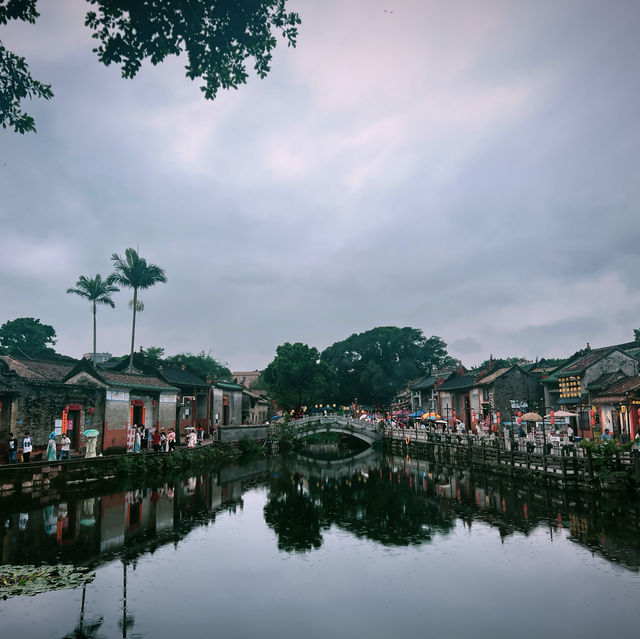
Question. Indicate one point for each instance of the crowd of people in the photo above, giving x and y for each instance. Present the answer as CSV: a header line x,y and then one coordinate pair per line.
x,y
59,445
482,430
164,440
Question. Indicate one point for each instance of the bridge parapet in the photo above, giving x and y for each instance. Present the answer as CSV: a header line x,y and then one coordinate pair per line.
x,y
337,424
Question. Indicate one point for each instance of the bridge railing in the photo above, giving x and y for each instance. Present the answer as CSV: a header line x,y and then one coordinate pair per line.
x,y
356,425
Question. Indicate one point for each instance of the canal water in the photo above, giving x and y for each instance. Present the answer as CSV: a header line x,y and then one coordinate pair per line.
x,y
372,547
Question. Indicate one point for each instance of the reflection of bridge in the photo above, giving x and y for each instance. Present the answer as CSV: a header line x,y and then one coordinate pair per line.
x,y
360,428
334,468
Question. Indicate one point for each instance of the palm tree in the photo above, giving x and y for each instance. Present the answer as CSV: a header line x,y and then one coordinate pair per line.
x,y
97,291
134,272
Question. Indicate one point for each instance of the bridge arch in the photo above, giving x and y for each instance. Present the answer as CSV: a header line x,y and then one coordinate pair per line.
x,y
359,429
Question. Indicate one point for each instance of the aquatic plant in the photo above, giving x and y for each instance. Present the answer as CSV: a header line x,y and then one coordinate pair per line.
x,y
32,580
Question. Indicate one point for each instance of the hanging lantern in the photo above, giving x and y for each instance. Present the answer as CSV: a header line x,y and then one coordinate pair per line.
x,y
593,421
497,417
553,419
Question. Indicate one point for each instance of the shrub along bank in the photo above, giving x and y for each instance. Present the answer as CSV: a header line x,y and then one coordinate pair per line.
x,y
181,459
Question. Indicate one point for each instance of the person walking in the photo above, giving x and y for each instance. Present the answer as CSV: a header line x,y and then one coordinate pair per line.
x,y
13,448
51,448
155,440
163,442
136,441
27,447
200,435
171,440
191,439
65,447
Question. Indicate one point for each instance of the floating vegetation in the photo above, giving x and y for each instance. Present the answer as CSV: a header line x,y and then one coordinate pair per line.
x,y
32,580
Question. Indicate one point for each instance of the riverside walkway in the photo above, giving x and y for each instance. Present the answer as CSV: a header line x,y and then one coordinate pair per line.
x,y
563,462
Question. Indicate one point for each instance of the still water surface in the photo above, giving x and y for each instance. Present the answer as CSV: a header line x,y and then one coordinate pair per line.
x,y
381,547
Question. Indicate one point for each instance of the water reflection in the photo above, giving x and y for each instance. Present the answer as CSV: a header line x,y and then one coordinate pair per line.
x,y
84,530
393,501
400,501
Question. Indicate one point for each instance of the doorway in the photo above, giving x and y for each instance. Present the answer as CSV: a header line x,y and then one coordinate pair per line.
x,y
74,425
137,416
225,410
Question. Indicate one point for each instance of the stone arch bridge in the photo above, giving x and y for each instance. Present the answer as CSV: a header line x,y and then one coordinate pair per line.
x,y
359,428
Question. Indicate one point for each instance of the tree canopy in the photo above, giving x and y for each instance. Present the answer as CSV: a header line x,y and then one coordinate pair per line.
x,y
203,364
296,376
154,352
30,336
96,291
136,273
373,365
217,37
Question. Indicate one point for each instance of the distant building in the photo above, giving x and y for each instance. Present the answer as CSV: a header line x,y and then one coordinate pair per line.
x,y
101,358
245,378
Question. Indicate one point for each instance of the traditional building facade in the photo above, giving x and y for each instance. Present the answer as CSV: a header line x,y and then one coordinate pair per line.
x,y
226,404
504,391
255,407
72,396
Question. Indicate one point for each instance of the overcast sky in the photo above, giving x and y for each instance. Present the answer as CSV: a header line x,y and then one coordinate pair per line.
x,y
467,168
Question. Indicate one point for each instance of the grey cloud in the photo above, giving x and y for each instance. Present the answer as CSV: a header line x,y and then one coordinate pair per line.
x,y
465,346
494,196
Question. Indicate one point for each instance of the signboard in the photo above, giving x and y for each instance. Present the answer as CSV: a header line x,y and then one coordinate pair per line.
x,y
519,405
130,438
117,396
167,398
57,426
63,424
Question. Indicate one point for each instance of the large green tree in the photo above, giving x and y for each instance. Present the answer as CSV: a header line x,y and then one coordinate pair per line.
x,y
30,336
373,365
96,291
203,364
296,376
134,272
217,38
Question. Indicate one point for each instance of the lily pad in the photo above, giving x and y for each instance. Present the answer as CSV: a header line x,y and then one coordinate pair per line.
x,y
32,580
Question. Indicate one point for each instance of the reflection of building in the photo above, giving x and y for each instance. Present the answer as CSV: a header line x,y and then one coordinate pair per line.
x,y
82,530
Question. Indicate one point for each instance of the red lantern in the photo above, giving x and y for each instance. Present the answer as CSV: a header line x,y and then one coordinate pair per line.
x,y
91,410
498,417
553,419
519,420
593,421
